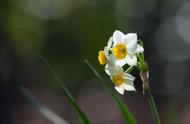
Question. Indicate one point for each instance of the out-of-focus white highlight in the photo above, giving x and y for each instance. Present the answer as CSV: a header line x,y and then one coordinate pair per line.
x,y
183,22
169,44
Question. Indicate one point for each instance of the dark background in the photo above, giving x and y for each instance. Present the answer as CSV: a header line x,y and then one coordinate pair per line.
x,y
68,31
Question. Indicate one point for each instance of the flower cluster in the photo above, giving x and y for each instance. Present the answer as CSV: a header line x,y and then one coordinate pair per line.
x,y
121,49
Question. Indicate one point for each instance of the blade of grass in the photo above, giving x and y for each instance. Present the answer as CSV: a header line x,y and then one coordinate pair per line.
x,y
82,117
126,113
51,116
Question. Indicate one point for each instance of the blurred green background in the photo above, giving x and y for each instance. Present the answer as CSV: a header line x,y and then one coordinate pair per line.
x,y
68,31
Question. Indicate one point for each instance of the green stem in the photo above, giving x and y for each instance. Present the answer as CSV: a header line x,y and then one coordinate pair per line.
x,y
152,107
147,92
174,113
143,66
130,69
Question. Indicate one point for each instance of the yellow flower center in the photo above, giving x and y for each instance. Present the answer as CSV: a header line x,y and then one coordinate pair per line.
x,y
118,79
102,57
119,51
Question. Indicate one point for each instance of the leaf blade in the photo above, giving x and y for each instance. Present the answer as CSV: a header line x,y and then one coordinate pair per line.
x,y
126,113
50,115
81,115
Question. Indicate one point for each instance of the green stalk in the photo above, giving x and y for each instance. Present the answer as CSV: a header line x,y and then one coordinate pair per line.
x,y
82,117
143,67
130,69
173,113
147,92
126,113
153,108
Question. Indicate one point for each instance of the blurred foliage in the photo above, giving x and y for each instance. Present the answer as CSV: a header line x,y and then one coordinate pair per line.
x,y
66,40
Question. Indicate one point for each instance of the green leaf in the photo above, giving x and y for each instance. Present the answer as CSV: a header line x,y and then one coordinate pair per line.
x,y
126,113
50,115
82,117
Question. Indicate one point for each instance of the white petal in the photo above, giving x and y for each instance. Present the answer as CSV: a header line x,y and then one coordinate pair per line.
x,y
114,70
129,77
117,37
121,62
107,70
129,87
131,60
106,50
111,60
132,46
118,69
139,49
120,89
110,42
131,37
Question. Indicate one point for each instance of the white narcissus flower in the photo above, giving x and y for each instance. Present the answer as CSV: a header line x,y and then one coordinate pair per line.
x,y
122,80
125,48
110,64
103,55
121,49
